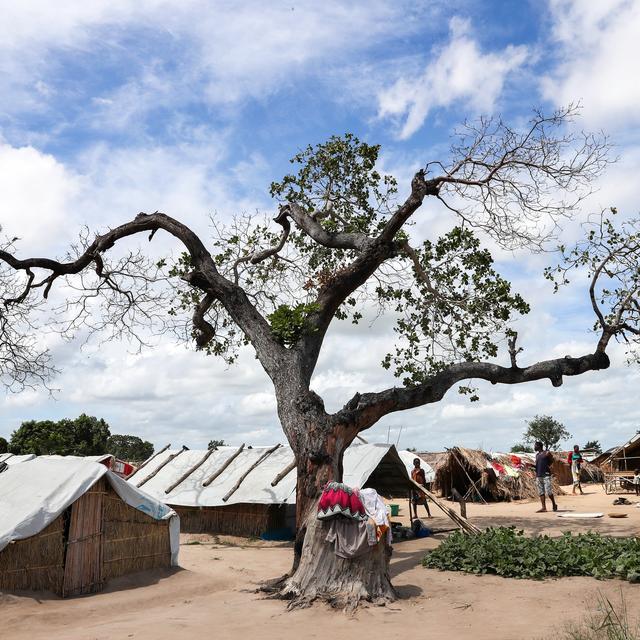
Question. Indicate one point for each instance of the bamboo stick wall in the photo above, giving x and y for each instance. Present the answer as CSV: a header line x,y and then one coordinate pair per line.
x,y
133,541
36,563
233,520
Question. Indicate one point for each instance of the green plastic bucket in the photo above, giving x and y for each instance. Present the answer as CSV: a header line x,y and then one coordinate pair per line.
x,y
395,509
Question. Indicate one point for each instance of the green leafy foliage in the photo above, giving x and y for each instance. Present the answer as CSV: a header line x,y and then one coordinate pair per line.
x,y
339,178
4,445
504,551
131,448
593,445
453,310
215,443
521,447
547,430
84,436
288,324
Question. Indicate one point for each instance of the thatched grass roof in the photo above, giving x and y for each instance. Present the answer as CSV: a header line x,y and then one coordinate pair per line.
x,y
478,475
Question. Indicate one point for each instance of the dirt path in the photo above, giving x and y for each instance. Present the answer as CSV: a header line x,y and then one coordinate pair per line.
x,y
212,595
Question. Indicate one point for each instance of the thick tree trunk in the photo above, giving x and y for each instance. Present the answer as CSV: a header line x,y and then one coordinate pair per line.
x,y
323,576
318,574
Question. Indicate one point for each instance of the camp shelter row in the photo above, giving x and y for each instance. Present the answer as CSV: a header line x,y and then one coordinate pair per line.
x,y
69,525
479,475
251,491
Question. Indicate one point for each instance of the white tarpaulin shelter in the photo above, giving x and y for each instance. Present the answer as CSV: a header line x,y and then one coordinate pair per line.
x,y
33,494
164,470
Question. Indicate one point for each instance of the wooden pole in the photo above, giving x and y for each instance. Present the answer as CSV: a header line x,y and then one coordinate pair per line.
x,y
148,460
236,486
215,474
461,502
285,472
162,465
464,524
185,475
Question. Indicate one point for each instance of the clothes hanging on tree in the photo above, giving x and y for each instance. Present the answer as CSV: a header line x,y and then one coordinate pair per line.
x,y
338,499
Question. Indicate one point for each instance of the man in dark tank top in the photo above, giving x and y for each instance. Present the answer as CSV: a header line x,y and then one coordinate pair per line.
x,y
544,460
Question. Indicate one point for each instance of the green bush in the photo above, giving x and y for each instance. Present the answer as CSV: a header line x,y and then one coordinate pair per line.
x,y
506,552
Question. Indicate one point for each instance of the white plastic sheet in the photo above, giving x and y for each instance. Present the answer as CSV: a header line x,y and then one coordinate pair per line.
x,y
359,463
33,494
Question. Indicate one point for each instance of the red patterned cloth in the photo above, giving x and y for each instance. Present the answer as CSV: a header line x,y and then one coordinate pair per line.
x,y
338,499
498,467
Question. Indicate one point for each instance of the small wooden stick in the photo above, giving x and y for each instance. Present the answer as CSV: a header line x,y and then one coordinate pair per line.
x,y
162,465
265,455
148,460
285,472
215,474
185,475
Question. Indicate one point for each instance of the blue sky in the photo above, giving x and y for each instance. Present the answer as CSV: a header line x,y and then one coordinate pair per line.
x,y
190,107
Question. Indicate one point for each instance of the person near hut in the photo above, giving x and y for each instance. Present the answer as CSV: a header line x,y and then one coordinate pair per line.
x,y
544,460
636,481
575,462
418,476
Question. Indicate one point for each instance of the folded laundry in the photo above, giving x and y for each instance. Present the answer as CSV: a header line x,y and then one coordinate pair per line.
x,y
338,499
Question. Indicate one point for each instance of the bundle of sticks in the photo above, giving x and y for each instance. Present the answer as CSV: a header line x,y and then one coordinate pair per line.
x,y
463,523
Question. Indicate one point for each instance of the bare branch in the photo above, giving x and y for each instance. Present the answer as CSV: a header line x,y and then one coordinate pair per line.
x,y
364,410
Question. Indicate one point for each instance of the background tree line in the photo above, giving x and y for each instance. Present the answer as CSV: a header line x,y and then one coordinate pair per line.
x,y
82,436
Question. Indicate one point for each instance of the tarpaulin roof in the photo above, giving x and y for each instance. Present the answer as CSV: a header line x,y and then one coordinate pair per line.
x,y
33,494
11,459
360,462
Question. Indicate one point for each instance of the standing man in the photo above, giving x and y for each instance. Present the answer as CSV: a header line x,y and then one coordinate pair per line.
x,y
418,476
544,460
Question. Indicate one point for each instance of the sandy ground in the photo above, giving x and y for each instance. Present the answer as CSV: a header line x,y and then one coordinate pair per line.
x,y
212,595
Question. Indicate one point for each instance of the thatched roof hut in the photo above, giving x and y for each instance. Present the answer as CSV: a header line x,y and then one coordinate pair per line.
x,y
252,491
478,475
68,526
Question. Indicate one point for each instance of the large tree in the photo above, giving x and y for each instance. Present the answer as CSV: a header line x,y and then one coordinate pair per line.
x,y
130,448
83,436
346,243
547,430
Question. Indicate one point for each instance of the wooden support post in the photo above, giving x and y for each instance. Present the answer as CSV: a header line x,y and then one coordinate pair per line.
x,y
162,465
464,524
236,486
285,472
461,502
184,476
148,460
215,474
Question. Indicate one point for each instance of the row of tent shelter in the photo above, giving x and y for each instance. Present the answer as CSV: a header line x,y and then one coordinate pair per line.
x,y
69,524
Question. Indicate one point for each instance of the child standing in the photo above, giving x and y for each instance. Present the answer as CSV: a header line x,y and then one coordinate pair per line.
x,y
636,481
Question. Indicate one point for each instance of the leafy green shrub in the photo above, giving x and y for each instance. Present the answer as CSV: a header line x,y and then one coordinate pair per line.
x,y
506,552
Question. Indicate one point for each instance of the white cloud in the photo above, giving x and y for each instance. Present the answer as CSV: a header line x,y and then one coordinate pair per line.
x,y
38,194
597,60
459,72
218,53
